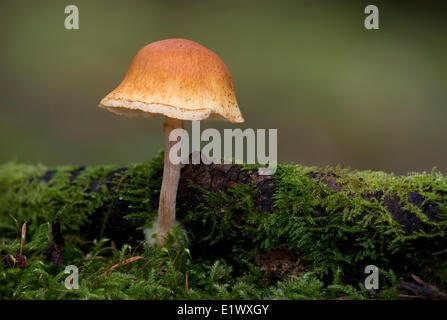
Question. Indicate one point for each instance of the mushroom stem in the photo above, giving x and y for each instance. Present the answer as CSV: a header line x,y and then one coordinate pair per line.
x,y
169,185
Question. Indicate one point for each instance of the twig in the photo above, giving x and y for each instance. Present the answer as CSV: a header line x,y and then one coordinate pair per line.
x,y
22,242
175,259
125,262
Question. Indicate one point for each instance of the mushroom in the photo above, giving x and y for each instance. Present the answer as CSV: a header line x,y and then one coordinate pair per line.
x,y
181,80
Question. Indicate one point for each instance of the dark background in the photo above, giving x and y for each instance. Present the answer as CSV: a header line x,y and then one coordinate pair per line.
x,y
336,92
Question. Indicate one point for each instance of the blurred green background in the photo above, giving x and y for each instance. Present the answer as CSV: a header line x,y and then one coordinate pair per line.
x,y
336,92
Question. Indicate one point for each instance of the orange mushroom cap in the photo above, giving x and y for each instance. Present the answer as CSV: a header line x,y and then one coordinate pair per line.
x,y
178,78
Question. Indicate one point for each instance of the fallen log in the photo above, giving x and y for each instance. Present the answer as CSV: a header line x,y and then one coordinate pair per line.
x,y
333,218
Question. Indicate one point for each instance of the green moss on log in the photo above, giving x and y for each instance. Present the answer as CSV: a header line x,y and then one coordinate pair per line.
x,y
338,220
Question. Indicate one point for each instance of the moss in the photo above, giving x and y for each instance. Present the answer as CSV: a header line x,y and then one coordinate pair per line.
x,y
350,225
337,220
